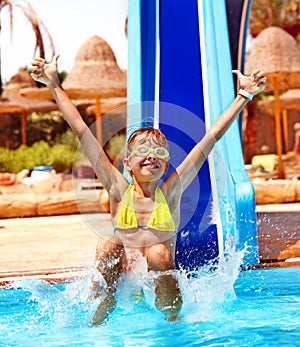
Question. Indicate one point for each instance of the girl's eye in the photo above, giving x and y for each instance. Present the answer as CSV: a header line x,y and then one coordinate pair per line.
x,y
160,151
143,149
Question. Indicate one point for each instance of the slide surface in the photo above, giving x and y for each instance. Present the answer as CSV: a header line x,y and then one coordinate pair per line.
x,y
180,80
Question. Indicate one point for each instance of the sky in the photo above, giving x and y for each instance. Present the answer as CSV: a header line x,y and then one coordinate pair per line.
x,y
70,23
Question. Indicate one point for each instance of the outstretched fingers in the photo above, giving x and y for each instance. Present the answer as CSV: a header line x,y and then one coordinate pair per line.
x,y
254,83
37,67
37,61
43,72
260,79
258,75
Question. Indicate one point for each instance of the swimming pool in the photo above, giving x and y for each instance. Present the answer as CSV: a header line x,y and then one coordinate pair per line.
x,y
224,307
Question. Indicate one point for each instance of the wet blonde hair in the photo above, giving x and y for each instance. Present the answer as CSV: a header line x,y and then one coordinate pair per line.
x,y
148,133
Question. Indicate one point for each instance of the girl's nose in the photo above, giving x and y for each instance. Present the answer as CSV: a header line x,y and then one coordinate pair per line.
x,y
152,157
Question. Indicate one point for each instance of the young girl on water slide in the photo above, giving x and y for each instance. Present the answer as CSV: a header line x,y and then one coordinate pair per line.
x,y
145,213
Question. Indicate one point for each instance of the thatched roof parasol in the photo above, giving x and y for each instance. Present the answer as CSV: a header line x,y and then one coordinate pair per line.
x,y
11,102
11,93
21,79
95,72
276,53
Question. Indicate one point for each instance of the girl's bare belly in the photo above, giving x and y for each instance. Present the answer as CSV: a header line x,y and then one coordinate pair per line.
x,y
136,242
143,237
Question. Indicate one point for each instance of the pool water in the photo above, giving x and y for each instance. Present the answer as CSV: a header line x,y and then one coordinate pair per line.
x,y
222,307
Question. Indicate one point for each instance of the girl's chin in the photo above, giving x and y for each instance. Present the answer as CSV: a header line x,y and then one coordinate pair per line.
x,y
147,172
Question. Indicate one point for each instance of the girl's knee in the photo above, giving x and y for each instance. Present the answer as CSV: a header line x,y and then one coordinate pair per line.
x,y
109,247
159,258
109,259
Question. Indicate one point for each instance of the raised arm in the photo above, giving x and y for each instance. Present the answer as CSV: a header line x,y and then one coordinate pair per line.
x,y
249,86
47,74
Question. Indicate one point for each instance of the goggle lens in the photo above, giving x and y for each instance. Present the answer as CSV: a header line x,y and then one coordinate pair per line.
x,y
144,151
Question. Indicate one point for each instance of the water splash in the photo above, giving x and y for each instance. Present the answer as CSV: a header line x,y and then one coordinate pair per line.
x,y
204,292
57,306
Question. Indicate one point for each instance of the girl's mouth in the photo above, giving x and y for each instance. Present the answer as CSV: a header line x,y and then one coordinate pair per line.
x,y
150,165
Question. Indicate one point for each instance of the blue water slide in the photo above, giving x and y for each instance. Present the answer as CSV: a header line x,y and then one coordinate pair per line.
x,y
237,203
180,80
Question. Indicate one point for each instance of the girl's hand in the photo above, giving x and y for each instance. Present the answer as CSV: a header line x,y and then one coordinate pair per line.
x,y
253,84
45,73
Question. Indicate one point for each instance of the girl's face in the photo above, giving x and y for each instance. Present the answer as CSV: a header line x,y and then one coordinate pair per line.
x,y
147,159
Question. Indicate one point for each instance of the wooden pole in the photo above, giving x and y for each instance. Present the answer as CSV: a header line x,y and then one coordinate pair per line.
x,y
285,130
23,127
98,119
278,135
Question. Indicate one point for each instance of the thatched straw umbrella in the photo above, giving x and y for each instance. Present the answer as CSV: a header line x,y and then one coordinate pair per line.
x,y
276,53
95,74
12,103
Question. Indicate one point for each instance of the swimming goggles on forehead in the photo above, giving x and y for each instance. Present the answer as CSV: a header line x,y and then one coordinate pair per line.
x,y
144,151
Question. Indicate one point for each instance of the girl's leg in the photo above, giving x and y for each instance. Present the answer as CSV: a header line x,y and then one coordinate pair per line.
x,y
168,297
109,257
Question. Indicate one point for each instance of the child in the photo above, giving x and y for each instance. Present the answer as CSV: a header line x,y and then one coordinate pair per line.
x,y
296,148
145,216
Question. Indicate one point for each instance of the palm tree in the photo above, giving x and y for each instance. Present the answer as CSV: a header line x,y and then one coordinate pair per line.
x,y
38,27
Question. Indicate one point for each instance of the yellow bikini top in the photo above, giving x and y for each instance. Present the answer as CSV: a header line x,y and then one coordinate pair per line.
x,y
160,219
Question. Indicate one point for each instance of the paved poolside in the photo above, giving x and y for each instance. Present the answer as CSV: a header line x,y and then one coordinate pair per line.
x,y
47,247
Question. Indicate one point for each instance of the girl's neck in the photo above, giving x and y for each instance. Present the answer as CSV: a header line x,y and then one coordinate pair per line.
x,y
145,188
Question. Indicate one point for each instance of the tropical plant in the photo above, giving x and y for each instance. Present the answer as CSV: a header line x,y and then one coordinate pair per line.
x,y
38,27
59,156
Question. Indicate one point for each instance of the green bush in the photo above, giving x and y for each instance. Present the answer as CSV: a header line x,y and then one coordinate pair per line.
x,y
67,138
6,160
40,153
60,155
